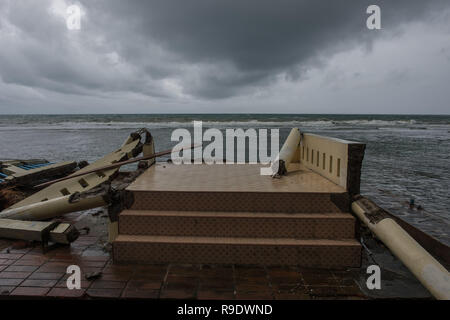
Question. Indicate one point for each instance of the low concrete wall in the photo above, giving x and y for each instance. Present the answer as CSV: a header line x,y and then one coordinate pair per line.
x,y
336,159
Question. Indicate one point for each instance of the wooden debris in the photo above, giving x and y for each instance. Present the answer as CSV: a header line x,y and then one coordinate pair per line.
x,y
25,230
42,231
32,172
64,233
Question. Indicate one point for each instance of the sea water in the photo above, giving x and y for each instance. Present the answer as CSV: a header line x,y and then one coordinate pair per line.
x,y
407,156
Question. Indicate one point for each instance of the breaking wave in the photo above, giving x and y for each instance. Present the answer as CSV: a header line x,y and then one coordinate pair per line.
x,y
97,123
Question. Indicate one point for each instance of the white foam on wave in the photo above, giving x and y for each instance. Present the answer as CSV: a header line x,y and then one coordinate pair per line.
x,y
115,125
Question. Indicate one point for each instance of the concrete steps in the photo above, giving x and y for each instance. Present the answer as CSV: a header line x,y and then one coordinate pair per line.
x,y
237,224
287,202
317,253
233,215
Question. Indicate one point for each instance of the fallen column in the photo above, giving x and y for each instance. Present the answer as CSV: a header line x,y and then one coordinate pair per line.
x,y
84,179
64,197
424,266
286,154
55,207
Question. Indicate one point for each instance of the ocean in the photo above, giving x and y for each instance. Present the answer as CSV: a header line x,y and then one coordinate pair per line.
x,y
407,156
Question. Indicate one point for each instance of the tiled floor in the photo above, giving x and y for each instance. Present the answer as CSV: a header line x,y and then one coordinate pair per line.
x,y
47,277
230,178
30,273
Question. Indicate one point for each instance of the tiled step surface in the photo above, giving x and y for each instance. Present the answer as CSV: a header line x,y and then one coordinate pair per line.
x,y
237,224
232,215
317,253
287,202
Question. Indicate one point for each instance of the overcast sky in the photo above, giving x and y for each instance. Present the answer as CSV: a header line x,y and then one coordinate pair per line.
x,y
225,56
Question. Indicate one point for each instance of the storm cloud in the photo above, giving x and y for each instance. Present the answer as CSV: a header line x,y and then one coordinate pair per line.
x,y
224,56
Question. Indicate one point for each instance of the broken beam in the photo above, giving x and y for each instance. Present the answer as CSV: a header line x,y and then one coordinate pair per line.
x,y
53,231
117,165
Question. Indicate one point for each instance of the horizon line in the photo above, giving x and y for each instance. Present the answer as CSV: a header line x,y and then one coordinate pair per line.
x,y
231,113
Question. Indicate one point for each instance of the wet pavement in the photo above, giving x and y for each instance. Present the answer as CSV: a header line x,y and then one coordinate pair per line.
x,y
28,272
31,273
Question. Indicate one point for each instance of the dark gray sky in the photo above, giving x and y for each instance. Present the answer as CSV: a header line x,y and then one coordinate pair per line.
x,y
225,56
